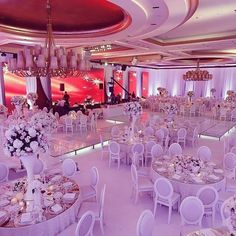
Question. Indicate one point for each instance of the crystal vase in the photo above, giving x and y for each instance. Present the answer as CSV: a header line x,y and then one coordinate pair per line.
x,y
28,162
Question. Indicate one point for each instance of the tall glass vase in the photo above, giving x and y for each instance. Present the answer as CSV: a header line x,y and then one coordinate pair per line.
x,y
28,162
134,118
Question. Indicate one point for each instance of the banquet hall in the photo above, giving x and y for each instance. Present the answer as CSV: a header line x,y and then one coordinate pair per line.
x,y
117,118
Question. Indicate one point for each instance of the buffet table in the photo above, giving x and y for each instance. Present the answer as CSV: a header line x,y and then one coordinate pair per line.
x,y
188,174
60,204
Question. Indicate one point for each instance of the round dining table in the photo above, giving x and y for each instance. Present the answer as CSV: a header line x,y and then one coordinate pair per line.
x,y
60,199
187,182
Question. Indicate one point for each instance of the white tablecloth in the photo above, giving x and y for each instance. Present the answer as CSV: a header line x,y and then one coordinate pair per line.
x,y
189,189
47,228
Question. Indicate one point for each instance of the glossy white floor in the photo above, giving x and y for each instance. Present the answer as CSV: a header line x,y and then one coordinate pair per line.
x,y
121,214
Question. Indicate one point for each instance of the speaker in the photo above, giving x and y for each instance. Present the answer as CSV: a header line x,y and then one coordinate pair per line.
x,y
100,86
123,67
62,87
111,89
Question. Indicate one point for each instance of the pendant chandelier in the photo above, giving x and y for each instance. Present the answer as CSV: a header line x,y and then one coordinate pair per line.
x,y
50,61
197,75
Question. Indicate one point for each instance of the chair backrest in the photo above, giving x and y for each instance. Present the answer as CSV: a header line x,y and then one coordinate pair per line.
x,y
181,133
196,132
94,177
188,215
114,148
156,151
57,115
134,174
115,131
45,109
225,210
175,149
38,167
204,153
145,224
102,200
233,150
4,172
149,145
229,161
83,119
69,167
148,131
166,131
208,195
163,189
160,135
68,120
85,224
138,148
167,140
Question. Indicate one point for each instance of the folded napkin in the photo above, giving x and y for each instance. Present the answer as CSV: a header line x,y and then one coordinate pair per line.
x,y
218,171
213,177
175,176
4,202
207,232
2,214
25,218
69,196
56,178
58,194
161,169
197,179
56,208
48,203
67,184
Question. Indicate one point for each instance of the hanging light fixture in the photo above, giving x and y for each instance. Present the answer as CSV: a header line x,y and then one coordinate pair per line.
x,y
50,60
197,75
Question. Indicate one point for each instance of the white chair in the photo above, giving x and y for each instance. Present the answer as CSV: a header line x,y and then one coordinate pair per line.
x,y
85,224
191,212
115,132
90,191
160,136
233,114
96,208
142,170
194,137
114,153
166,145
181,136
156,152
83,123
223,114
148,148
204,153
69,167
91,123
209,197
165,195
138,149
148,131
226,145
104,147
140,184
38,167
192,110
45,109
69,124
182,110
145,224
4,172
175,149
224,211
233,150
229,165
166,131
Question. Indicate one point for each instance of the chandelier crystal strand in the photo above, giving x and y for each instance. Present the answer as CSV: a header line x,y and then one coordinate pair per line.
x,y
50,60
197,75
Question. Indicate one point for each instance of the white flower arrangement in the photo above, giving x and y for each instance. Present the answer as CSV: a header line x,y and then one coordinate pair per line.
x,y
132,109
46,121
23,139
162,91
187,164
171,109
190,94
230,93
3,109
213,90
17,100
32,96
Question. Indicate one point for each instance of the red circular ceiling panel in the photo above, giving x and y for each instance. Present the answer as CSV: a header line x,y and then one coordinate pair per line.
x,y
67,15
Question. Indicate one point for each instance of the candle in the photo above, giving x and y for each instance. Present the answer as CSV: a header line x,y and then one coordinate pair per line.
x,y
51,188
22,204
14,200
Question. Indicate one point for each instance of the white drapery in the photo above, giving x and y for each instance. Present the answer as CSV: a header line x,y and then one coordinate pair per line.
x,y
31,85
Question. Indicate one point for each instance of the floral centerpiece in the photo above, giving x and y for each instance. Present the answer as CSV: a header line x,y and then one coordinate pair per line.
x,y
18,102
45,120
230,96
190,94
133,110
32,97
24,141
162,91
170,110
187,164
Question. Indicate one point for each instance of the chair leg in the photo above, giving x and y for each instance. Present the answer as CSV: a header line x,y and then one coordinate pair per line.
x,y
136,196
101,226
155,208
169,214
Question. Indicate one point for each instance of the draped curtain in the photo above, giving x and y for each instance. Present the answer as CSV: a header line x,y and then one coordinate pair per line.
x,y
31,85
45,82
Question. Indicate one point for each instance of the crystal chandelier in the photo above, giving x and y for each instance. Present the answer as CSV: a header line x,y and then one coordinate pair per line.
x,y
197,75
50,61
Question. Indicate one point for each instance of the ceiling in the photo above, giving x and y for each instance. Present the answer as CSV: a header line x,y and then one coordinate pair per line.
x,y
149,33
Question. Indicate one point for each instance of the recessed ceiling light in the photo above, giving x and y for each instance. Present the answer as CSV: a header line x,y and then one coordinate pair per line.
x,y
153,24
155,7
